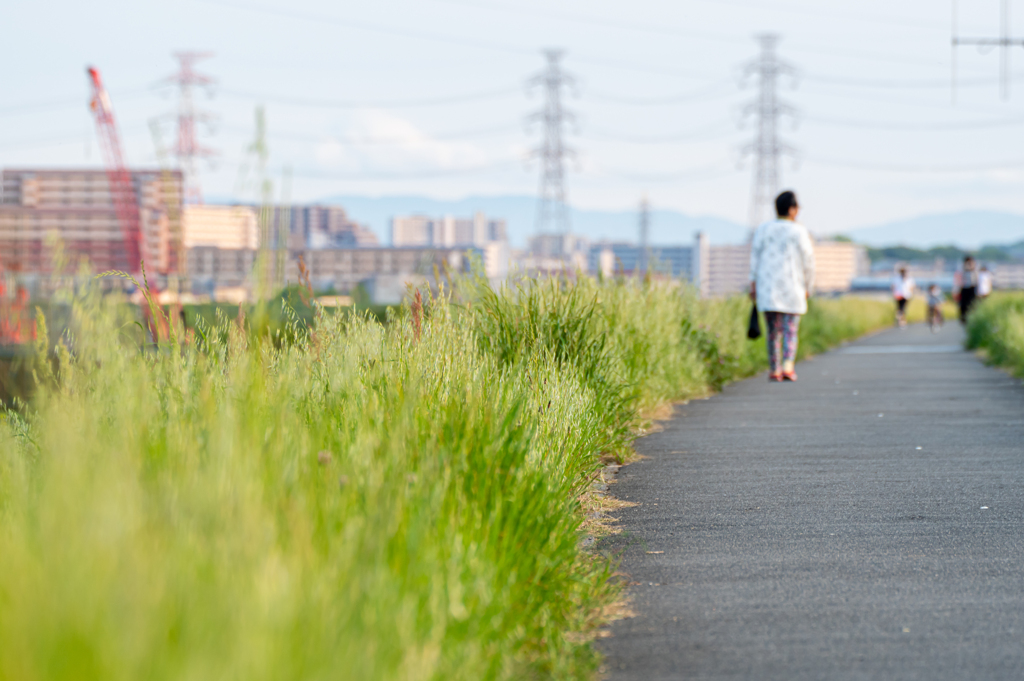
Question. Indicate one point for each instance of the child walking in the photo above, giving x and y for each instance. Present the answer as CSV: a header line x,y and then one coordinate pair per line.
x,y
935,317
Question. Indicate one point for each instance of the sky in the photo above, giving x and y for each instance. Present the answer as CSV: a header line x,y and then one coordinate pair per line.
x,y
430,97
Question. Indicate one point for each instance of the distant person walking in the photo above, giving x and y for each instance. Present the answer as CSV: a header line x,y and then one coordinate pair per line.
x,y
935,317
965,287
984,282
902,292
781,277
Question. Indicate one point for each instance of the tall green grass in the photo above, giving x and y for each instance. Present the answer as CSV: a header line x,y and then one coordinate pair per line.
x,y
358,501
996,326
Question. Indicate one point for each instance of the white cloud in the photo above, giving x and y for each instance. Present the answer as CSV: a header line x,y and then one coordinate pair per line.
x,y
380,141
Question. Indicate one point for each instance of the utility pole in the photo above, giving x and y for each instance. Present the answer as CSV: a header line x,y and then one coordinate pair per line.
x,y
644,259
552,213
767,147
1004,42
186,147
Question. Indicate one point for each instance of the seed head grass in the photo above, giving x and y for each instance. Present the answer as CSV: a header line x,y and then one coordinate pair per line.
x,y
341,497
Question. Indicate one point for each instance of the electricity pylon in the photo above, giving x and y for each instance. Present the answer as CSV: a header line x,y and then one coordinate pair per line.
x,y
186,146
767,147
552,212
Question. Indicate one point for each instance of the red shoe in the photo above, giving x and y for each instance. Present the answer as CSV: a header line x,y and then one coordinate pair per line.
x,y
776,377
789,376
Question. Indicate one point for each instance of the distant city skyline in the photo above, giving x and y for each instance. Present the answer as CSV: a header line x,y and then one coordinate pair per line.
x,y
428,98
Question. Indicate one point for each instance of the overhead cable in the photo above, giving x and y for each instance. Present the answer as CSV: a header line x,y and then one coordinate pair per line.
x,y
711,132
354,104
708,172
677,31
66,102
926,168
915,126
416,175
372,140
720,90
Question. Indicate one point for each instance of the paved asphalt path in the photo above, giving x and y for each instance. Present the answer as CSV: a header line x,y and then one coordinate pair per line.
x,y
866,522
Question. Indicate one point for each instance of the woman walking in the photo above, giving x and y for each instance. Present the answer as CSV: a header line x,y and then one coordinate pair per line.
x,y
781,277
902,290
965,287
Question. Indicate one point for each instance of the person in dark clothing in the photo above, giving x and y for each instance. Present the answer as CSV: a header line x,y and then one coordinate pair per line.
x,y
965,287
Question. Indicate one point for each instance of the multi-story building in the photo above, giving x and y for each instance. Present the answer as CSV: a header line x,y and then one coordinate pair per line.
x,y
626,258
320,226
343,269
224,227
1008,275
837,264
487,235
40,208
728,269
447,231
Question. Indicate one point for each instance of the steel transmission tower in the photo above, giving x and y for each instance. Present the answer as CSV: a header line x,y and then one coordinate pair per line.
x,y
186,147
552,212
1004,42
767,147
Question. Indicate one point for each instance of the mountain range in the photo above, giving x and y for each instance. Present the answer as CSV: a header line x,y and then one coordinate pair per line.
x,y
666,226
968,229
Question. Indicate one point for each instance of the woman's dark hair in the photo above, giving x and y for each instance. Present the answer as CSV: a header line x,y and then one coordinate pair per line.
x,y
784,202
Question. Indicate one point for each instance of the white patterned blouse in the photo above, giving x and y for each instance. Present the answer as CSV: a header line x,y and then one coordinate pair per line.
x,y
782,264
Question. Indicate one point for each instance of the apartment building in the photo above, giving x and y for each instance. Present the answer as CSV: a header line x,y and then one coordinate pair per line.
x,y
612,258
224,227
41,207
342,269
488,236
837,264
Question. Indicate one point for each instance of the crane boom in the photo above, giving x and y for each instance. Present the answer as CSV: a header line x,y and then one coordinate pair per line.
x,y
126,204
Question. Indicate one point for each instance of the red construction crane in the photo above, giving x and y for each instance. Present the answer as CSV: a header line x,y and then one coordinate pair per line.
x,y
126,203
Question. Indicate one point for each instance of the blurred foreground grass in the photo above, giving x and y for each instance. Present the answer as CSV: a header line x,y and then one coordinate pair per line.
x,y
996,326
362,501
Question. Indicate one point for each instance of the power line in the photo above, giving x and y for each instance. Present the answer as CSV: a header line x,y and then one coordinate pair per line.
x,y
958,168
355,104
416,175
66,102
448,40
700,134
882,84
684,32
767,147
931,105
721,90
366,26
1004,42
913,127
398,141
552,213
708,172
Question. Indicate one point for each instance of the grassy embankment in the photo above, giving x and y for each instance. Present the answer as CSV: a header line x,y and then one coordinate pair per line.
x,y
996,327
365,501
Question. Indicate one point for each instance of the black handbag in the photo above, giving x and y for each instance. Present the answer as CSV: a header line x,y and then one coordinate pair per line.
x,y
754,327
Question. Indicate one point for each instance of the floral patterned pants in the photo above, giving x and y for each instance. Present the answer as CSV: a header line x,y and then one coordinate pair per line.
x,y
782,338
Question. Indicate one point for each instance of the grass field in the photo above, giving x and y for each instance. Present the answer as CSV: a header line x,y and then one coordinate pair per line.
x,y
345,499
996,327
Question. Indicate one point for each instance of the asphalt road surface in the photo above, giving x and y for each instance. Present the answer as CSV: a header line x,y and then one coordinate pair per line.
x,y
866,522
